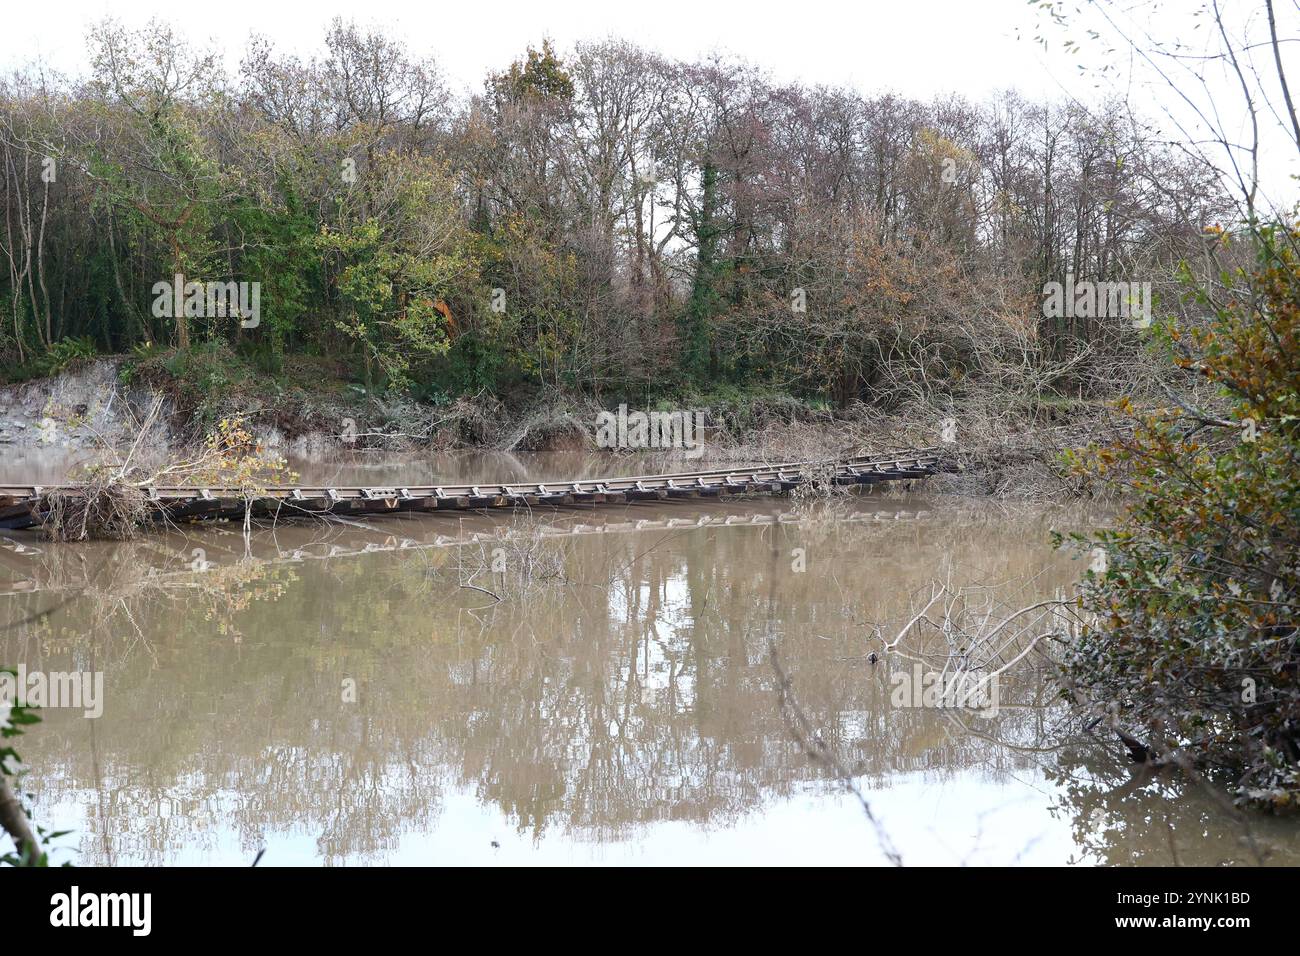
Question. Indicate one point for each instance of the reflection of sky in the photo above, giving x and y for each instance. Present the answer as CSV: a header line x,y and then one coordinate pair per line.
x,y
669,769
654,665
966,819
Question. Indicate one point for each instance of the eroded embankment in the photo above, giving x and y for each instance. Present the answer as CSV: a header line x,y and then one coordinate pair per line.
x,y
1005,450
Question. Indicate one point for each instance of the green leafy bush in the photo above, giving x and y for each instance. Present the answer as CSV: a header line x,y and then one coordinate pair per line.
x,y
64,353
1193,619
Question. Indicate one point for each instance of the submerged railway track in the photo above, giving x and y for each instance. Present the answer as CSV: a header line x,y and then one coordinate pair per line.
x,y
28,506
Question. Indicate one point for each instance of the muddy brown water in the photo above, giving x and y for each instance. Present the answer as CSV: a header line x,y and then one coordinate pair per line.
x,y
580,685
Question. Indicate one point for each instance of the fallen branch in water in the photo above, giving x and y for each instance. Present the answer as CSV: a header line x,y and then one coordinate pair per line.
x,y
475,587
111,501
98,510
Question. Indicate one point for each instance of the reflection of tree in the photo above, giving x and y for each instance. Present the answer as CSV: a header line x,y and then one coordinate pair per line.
x,y
639,691
1126,814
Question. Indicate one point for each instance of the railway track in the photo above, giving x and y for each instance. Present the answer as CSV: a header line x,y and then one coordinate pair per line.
x,y
26,506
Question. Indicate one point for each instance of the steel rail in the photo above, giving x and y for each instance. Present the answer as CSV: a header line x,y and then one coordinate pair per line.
x,y
23,506
916,460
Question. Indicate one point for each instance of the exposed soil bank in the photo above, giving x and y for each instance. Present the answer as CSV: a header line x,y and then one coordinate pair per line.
x,y
1004,452
86,407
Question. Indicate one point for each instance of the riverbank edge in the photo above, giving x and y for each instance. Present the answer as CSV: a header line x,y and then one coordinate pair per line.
x,y
1007,450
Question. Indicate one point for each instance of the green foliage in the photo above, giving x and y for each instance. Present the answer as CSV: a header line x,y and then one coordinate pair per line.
x,y
647,220
64,353
395,276
205,381
704,302
540,333
278,252
540,75
1193,632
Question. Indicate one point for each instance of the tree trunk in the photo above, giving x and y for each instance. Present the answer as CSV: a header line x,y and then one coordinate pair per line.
x,y
178,275
14,821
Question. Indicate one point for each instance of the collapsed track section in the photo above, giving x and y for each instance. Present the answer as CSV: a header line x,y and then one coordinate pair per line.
x,y
27,506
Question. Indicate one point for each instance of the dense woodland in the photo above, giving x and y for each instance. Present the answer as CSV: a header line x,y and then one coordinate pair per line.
x,y
601,220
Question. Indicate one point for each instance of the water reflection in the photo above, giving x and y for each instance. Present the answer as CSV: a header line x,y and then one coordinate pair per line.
x,y
580,684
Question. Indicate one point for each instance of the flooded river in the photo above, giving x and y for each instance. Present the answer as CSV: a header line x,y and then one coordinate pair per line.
x,y
578,685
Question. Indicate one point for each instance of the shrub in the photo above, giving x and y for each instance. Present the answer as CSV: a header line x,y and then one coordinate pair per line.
x,y
1193,632
64,353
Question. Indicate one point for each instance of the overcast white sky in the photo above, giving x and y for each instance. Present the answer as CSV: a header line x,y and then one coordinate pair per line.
x,y
916,47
